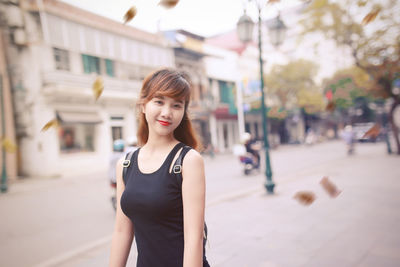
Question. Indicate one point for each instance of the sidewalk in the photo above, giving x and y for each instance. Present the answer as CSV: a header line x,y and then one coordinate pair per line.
x,y
253,229
247,227
358,228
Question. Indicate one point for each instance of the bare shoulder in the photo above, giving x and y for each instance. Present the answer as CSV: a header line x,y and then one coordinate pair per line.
x,y
193,159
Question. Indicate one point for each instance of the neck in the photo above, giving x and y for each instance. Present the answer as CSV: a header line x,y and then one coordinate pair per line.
x,y
159,142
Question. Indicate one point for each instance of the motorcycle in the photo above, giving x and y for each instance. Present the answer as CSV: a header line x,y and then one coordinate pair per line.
x,y
249,164
246,158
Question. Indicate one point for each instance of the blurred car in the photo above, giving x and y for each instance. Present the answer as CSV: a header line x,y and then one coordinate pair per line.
x,y
360,130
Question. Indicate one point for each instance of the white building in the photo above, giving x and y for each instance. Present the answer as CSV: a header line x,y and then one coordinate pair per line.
x,y
54,55
222,71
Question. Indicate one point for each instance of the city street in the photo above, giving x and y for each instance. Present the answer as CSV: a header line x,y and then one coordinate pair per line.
x,y
68,221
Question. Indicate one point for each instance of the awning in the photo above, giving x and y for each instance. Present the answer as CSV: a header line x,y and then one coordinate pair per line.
x,y
79,117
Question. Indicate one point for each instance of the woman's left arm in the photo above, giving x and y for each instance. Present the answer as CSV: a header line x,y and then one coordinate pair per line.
x,y
193,197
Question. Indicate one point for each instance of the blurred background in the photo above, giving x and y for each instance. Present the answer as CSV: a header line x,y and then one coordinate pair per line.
x,y
284,93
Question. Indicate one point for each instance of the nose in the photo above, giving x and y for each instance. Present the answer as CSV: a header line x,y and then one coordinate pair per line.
x,y
166,111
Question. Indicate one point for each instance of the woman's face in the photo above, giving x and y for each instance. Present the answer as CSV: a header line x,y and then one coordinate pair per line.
x,y
163,114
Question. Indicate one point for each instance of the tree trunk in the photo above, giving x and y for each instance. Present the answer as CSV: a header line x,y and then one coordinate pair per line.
x,y
394,127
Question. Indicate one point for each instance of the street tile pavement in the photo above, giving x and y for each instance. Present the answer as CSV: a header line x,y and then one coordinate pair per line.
x,y
358,228
250,228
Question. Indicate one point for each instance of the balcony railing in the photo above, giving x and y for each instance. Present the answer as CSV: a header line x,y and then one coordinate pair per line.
x,y
65,82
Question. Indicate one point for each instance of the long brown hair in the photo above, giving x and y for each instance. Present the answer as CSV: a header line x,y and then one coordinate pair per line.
x,y
171,83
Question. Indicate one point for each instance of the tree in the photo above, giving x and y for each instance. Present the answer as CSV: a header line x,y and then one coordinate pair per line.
x,y
293,86
371,30
349,88
345,86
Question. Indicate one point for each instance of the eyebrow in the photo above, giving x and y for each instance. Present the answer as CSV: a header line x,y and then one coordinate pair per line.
x,y
162,97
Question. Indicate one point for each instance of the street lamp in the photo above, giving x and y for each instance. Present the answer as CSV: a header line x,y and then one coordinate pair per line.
x,y
3,186
277,31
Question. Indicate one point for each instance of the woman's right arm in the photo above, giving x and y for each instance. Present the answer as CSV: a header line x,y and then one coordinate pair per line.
x,y
123,230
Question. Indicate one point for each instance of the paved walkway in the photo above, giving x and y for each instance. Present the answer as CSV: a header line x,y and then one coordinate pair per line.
x,y
249,228
358,228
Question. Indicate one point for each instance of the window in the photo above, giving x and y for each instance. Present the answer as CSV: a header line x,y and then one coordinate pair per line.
x,y
109,67
61,58
98,65
91,64
224,92
77,137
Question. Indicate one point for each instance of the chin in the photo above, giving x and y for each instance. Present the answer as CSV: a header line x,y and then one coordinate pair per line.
x,y
164,132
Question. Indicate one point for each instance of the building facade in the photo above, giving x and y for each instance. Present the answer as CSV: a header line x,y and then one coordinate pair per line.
x,y
54,55
189,57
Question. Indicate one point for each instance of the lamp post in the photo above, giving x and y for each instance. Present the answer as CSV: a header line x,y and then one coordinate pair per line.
x,y
3,186
277,33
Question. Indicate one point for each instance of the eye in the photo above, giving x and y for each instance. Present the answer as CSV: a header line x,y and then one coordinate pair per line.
x,y
159,102
178,106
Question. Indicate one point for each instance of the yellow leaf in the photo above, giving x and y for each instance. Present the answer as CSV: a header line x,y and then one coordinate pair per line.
x,y
168,3
371,16
98,87
319,3
53,123
273,1
8,145
130,14
361,3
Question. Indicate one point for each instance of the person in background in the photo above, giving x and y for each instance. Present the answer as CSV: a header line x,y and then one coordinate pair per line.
x,y
348,137
117,154
253,148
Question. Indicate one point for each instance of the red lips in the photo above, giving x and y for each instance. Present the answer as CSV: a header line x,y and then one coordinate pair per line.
x,y
164,123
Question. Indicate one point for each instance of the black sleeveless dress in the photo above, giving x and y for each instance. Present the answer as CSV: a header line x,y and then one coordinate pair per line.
x,y
153,202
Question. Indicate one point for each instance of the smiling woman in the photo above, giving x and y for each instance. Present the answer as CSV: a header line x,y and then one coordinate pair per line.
x,y
160,197
176,86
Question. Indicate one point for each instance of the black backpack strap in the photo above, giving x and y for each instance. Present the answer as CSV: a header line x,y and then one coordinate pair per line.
x,y
177,167
126,164
177,170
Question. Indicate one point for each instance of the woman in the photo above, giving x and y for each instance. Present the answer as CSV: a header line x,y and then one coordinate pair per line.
x,y
164,211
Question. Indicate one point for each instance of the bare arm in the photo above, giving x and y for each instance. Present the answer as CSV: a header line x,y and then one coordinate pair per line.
x,y
123,229
193,196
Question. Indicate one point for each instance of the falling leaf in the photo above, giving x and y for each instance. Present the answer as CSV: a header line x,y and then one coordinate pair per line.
x,y
305,197
331,106
371,16
8,145
329,187
319,3
53,123
361,3
130,14
168,3
98,87
373,132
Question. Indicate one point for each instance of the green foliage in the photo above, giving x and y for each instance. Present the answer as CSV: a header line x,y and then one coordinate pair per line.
x,y
293,85
371,29
347,85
